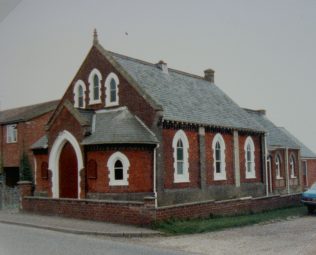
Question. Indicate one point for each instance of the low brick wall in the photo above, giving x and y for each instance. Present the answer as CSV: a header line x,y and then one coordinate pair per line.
x,y
111,211
139,213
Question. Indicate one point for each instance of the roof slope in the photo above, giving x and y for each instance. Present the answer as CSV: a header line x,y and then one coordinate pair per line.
x,y
186,98
275,136
41,143
27,112
305,151
118,126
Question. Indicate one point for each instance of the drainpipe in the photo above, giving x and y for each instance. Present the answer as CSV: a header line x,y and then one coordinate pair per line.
x,y
270,175
154,177
266,163
287,169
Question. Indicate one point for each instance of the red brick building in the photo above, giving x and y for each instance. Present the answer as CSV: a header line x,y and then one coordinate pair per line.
x,y
136,142
19,129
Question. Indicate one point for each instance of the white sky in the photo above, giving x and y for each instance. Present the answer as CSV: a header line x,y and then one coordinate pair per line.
x,y
263,52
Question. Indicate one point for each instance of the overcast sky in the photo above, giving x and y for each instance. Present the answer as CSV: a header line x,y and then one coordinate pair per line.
x,y
263,52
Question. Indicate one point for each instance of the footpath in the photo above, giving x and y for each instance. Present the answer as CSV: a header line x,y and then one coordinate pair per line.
x,y
74,226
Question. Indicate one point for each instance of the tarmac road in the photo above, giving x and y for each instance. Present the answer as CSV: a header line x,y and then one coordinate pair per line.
x,y
15,240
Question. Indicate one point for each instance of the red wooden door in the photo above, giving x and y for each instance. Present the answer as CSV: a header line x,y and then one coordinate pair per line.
x,y
68,172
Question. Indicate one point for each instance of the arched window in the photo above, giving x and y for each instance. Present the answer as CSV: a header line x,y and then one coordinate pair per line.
x,y
292,166
180,146
96,88
95,78
278,167
219,165
118,170
118,165
111,90
79,94
250,158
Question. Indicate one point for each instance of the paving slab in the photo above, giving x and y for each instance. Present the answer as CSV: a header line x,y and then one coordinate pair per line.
x,y
75,226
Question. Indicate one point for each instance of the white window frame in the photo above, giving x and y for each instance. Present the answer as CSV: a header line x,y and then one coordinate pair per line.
x,y
108,90
111,163
278,167
292,166
12,133
76,93
218,138
250,174
91,86
184,177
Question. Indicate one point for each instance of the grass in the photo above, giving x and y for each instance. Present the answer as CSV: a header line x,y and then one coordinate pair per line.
x,y
176,227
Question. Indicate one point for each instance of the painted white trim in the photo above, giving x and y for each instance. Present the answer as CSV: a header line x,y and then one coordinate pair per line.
x,y
91,84
185,176
76,94
54,156
107,85
110,164
252,173
222,174
12,133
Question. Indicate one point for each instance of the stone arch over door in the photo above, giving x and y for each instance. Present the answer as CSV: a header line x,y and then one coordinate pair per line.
x,y
63,138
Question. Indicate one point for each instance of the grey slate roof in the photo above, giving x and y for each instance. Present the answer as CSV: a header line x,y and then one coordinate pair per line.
x,y
305,151
275,136
41,143
27,112
185,97
117,127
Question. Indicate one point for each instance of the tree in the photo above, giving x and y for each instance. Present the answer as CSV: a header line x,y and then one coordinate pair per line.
x,y
25,169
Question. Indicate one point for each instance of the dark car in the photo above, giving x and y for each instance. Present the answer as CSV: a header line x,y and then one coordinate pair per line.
x,y
309,198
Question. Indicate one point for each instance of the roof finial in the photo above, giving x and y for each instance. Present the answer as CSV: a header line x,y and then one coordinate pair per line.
x,y
95,37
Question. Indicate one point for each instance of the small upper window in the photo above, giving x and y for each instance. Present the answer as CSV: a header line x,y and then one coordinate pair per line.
x,y
95,78
118,165
79,94
180,146
218,146
278,167
12,133
292,166
111,90
250,158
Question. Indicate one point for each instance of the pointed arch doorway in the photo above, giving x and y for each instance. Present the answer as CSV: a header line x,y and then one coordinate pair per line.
x,y
66,162
68,172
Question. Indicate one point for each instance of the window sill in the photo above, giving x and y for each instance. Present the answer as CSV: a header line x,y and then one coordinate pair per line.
x,y
221,177
293,177
119,184
92,102
108,104
181,179
279,178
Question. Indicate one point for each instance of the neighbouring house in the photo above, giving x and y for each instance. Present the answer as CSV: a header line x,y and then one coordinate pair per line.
x,y
134,142
19,129
290,164
308,161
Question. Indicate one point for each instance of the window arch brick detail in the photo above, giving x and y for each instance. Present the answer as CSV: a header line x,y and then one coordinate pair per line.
x,y
111,95
94,73
219,163
180,145
250,167
112,164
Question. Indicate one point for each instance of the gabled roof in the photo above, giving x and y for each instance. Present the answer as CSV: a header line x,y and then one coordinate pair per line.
x,y
27,112
183,97
305,151
41,143
275,136
117,127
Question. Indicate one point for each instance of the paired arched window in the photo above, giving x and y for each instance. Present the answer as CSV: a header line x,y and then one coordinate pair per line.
x,y
180,146
118,165
292,166
79,94
250,158
111,90
95,78
278,167
218,146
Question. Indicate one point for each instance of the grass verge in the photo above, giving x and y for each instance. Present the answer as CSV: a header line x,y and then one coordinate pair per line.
x,y
176,227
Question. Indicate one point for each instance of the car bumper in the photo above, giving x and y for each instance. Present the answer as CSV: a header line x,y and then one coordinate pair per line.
x,y
308,202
